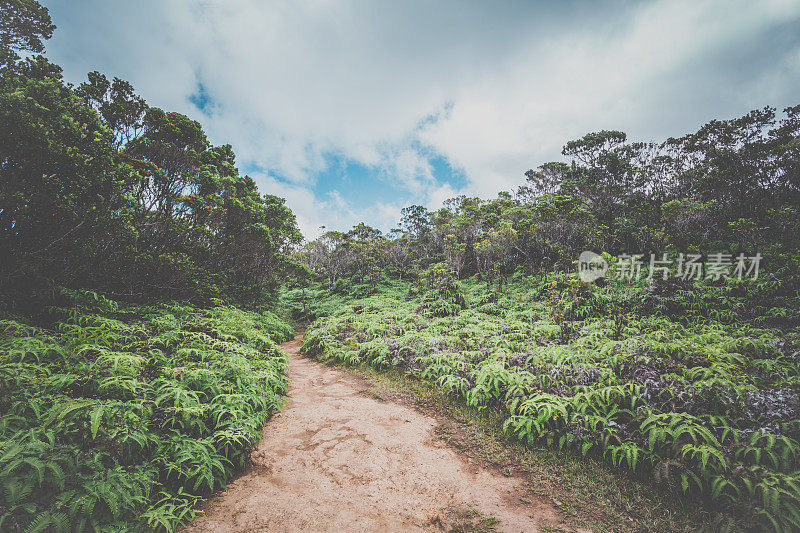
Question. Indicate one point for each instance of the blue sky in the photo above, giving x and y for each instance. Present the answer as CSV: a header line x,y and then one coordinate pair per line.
x,y
353,110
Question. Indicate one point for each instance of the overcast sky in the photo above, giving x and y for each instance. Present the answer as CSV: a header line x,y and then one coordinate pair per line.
x,y
353,110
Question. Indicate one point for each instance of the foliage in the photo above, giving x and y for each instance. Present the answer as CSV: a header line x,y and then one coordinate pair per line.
x,y
306,303
101,191
121,418
23,26
730,188
653,378
691,382
442,294
116,418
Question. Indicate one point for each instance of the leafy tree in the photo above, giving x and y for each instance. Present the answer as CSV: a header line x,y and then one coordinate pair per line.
x,y
24,25
690,224
494,253
121,109
415,221
399,253
545,180
99,190
455,253
60,188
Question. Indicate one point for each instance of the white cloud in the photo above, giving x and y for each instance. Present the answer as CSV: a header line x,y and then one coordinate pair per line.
x,y
317,215
560,90
493,89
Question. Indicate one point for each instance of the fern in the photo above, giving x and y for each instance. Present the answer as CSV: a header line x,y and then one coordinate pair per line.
x,y
118,425
701,399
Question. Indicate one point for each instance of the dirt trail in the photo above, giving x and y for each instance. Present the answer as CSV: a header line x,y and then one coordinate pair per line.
x,y
336,460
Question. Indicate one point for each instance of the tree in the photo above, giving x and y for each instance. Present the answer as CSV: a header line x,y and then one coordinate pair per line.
x,y
601,172
545,180
121,109
98,190
416,221
454,253
690,223
731,163
329,256
24,25
60,188
167,155
399,253
495,260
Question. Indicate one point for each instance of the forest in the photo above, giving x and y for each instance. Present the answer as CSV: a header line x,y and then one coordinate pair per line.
x,y
145,286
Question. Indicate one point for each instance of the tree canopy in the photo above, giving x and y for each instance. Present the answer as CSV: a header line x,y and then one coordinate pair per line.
x,y
100,190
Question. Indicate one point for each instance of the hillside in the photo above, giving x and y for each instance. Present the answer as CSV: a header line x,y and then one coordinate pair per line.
x,y
611,343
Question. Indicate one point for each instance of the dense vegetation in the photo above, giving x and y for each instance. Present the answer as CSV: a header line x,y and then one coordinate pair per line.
x,y
101,190
707,406
731,188
686,376
119,407
118,418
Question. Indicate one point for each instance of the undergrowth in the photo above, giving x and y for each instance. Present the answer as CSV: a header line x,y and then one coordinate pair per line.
x,y
685,385
120,419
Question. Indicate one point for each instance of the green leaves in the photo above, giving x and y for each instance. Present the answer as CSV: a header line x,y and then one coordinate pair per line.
x,y
627,454
105,428
671,429
100,190
682,402
170,509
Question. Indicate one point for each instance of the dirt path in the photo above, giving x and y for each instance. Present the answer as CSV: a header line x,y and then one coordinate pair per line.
x,y
336,460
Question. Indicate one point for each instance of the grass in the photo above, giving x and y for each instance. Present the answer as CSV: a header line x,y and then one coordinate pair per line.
x,y
469,521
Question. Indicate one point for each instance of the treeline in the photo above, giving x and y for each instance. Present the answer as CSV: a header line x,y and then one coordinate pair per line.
x,y
731,187
99,190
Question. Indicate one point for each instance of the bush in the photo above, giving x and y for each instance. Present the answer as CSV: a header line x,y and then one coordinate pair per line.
x,y
442,294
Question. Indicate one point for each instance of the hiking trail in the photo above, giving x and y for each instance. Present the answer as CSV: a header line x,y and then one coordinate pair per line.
x,y
336,459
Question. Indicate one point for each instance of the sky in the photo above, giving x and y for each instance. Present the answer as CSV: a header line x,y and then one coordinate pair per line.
x,y
353,110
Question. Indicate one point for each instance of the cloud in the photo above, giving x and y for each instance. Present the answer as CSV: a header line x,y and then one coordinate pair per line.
x,y
590,81
316,215
392,86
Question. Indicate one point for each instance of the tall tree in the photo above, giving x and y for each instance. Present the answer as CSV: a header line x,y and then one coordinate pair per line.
x,y
24,26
